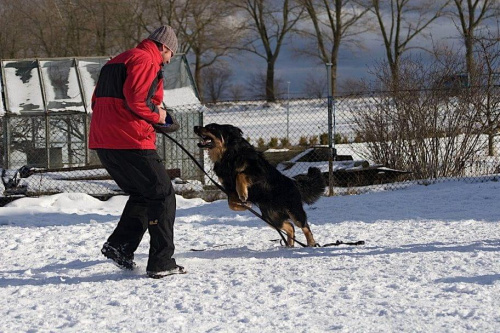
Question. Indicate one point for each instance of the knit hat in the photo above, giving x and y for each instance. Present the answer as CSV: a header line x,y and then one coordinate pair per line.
x,y
165,35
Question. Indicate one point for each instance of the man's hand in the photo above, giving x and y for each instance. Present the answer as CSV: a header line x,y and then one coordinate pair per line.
x,y
163,115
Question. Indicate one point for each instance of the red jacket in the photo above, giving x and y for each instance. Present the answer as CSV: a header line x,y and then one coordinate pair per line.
x,y
125,99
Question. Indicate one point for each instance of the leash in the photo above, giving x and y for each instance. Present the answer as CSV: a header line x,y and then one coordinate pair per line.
x,y
220,187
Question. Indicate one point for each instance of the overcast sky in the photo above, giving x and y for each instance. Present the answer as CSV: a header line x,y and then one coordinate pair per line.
x,y
352,64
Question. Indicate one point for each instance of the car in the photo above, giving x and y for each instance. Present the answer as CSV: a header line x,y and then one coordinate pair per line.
x,y
346,172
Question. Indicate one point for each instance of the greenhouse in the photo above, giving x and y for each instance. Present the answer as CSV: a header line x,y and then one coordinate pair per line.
x,y
45,112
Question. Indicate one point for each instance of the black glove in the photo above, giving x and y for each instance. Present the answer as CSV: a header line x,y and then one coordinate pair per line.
x,y
171,124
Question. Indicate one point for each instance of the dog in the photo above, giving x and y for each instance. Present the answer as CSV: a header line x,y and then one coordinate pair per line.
x,y
248,178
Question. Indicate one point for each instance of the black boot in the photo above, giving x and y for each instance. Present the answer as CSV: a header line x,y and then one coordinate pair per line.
x,y
119,258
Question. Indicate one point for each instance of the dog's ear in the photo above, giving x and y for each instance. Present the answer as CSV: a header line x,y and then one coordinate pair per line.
x,y
236,132
232,132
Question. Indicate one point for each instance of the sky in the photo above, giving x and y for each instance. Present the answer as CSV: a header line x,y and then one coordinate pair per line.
x,y
431,263
354,63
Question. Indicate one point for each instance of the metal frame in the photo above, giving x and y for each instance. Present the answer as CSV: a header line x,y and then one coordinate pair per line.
x,y
47,114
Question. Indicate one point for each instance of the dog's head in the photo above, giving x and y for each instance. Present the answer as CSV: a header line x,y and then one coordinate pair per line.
x,y
217,138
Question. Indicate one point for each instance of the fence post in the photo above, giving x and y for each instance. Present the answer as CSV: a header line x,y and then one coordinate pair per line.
x,y
6,141
331,124
6,120
85,108
46,112
288,113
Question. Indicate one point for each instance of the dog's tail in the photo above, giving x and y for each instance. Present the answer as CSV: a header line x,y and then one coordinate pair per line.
x,y
311,186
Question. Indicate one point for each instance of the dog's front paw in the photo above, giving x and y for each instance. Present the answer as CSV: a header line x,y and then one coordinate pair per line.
x,y
246,204
243,198
238,206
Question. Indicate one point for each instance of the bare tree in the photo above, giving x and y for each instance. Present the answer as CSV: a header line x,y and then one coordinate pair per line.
x,y
269,22
216,80
73,16
122,27
257,86
400,21
44,22
237,91
334,22
159,12
11,43
485,84
430,132
315,86
60,28
470,14
164,12
352,86
210,32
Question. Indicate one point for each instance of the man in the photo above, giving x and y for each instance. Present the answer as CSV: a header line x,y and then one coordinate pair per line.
x,y
126,104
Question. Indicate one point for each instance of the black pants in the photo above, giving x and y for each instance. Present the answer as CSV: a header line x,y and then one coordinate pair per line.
x,y
151,204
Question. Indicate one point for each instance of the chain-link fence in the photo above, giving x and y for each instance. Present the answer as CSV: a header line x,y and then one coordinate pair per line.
x,y
377,140
45,110
48,154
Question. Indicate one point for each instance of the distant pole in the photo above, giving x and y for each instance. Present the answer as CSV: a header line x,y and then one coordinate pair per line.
x,y
288,113
331,149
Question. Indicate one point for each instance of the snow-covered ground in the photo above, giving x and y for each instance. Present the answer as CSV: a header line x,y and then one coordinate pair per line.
x,y
431,263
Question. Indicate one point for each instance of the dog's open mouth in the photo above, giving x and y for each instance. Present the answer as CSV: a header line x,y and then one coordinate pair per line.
x,y
206,142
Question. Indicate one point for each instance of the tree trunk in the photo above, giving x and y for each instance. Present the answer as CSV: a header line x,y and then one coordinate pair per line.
x,y
270,94
197,76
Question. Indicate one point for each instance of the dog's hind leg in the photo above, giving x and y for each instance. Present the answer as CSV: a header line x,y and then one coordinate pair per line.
x,y
290,233
309,236
300,220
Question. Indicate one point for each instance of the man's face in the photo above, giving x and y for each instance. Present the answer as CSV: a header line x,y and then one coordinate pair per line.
x,y
166,54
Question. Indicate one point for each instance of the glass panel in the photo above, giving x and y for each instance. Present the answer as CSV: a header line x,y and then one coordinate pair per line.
x,y
62,89
175,74
23,92
178,85
89,71
67,139
26,141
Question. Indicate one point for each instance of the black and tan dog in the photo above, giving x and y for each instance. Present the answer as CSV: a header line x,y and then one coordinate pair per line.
x,y
249,178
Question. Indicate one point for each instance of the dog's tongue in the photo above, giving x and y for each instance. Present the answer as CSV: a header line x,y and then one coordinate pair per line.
x,y
204,143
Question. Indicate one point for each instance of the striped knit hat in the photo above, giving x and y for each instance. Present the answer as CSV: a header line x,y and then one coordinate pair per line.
x,y
165,35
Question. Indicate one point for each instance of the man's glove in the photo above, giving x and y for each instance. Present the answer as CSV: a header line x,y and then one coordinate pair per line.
x,y
171,124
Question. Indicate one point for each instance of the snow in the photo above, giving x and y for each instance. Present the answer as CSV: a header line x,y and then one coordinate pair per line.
x,y
431,263
21,94
86,69
180,96
24,90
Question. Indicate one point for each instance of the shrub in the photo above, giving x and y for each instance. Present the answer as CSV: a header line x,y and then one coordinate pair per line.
x,y
323,138
337,138
303,141
261,143
273,143
285,142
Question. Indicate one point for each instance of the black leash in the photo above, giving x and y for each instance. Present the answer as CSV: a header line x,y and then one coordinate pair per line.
x,y
337,243
220,187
